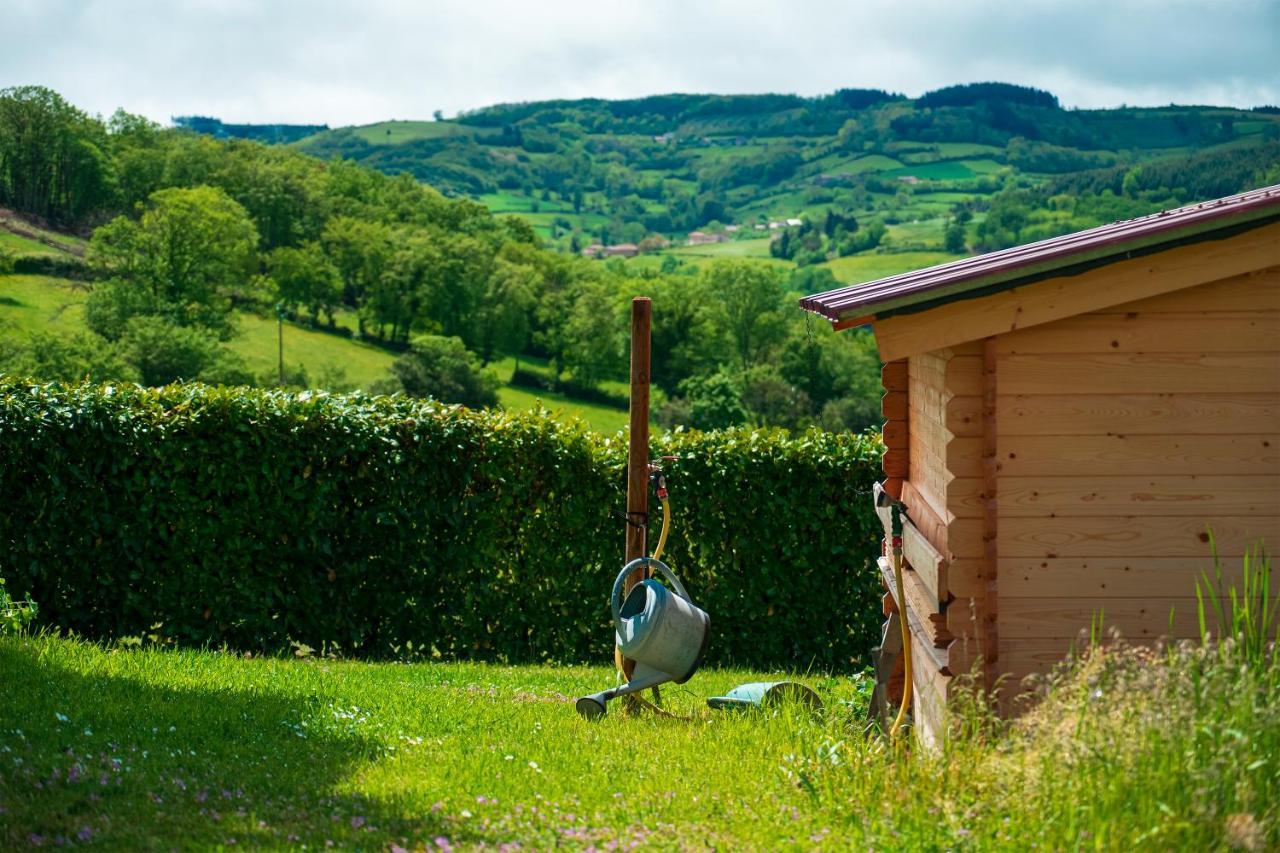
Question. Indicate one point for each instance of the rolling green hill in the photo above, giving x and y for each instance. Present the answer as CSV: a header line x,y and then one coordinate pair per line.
x,y
591,170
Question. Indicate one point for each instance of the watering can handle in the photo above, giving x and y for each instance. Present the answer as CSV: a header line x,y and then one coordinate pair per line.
x,y
663,570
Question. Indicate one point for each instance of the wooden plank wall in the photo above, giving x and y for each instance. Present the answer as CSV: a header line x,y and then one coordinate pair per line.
x,y
1125,436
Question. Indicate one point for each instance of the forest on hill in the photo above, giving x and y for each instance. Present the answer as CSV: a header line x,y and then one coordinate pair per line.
x,y
167,250
597,171
176,242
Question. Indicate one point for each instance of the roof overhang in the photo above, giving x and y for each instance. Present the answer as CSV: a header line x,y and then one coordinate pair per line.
x,y
1065,256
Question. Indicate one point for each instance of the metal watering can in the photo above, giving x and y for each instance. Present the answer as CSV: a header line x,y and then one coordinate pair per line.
x,y
662,630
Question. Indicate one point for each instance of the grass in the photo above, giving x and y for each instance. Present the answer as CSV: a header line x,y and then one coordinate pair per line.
x,y
869,266
68,242
30,303
927,231
597,417
946,170
19,245
319,352
728,249
858,165
140,748
398,132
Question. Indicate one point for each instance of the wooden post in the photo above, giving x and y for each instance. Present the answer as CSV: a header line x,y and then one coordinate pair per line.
x,y
638,449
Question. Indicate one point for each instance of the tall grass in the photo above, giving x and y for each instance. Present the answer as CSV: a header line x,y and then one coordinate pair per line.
x,y
1247,614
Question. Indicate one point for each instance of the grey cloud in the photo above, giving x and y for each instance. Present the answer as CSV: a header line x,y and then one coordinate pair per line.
x,y
347,63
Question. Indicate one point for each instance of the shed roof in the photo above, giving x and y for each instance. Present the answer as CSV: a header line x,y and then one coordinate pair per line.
x,y
1066,255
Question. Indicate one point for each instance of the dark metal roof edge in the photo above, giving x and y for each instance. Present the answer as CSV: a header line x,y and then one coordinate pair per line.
x,y
970,277
1085,265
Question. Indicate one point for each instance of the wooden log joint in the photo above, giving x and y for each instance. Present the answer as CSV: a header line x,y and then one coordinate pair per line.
x,y
896,379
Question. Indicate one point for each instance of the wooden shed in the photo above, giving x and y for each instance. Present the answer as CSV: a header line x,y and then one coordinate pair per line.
x,y
1068,422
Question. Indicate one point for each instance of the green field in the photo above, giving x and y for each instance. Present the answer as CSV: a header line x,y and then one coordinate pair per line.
x,y
599,418
870,163
923,231
754,248
321,353
19,245
871,266
948,170
32,303
397,132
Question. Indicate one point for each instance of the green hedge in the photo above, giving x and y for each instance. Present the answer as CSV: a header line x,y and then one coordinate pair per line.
x,y
393,527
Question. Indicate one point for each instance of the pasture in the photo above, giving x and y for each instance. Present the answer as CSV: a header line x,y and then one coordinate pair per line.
x,y
869,266
399,132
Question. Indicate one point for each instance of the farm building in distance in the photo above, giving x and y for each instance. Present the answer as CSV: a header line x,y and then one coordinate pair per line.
x,y
1070,424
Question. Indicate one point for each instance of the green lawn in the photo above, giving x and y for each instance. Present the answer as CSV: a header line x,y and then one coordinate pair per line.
x,y
146,748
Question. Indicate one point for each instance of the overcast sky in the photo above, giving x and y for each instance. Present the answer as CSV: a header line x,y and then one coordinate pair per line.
x,y
357,62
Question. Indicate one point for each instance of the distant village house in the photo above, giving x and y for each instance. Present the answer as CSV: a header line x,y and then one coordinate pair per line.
x,y
702,238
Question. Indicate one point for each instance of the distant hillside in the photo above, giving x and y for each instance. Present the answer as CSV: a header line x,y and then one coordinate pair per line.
x,y
259,132
599,171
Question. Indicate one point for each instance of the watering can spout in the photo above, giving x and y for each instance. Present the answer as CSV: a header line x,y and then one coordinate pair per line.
x,y
596,705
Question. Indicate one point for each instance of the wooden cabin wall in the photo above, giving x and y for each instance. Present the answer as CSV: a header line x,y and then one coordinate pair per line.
x,y
1126,436
944,458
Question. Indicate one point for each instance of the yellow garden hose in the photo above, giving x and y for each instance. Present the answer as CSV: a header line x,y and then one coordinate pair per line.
x,y
906,638
666,526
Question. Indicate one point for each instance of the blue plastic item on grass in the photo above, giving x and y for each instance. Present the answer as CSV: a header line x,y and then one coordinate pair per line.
x,y
765,694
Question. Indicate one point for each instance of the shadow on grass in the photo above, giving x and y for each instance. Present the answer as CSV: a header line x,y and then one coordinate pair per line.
x,y
88,756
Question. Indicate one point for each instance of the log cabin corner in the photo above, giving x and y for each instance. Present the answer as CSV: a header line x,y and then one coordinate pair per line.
x,y
1068,424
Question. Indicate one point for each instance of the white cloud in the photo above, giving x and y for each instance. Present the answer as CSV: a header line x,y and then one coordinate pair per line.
x,y
343,63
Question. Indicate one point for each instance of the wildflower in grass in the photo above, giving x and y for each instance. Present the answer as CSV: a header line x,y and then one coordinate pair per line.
x,y
357,821
84,834
1243,832
443,843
